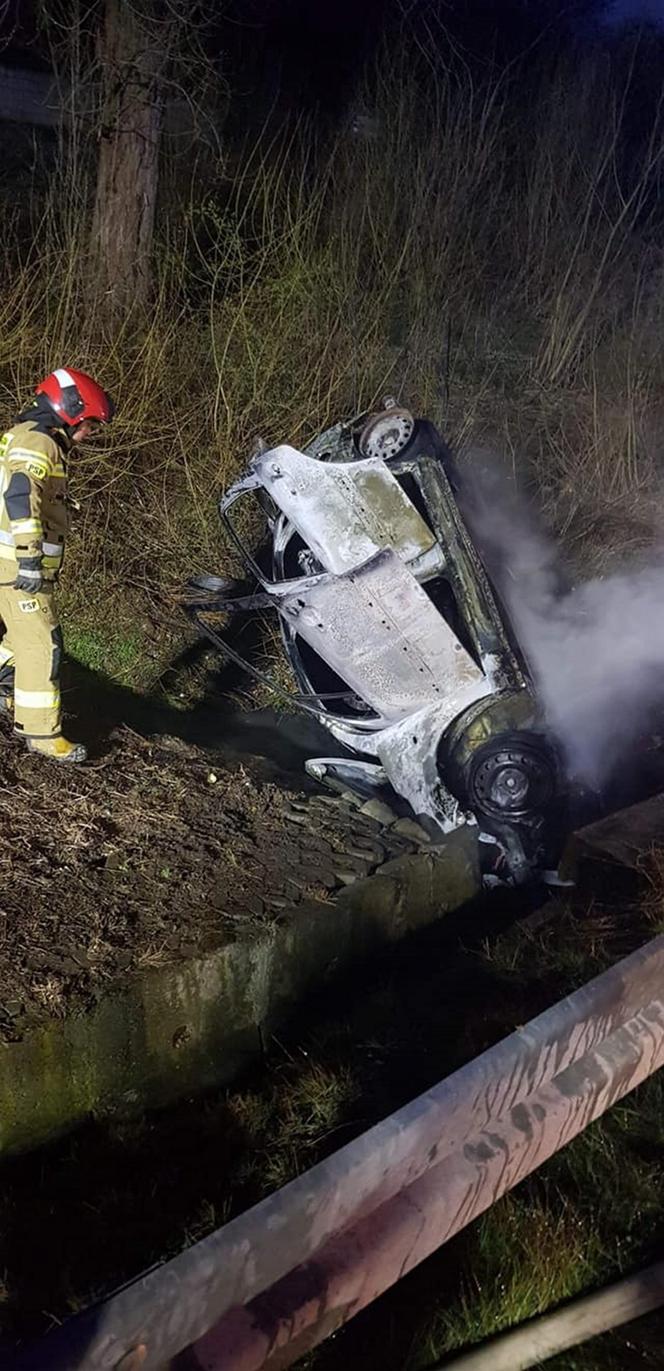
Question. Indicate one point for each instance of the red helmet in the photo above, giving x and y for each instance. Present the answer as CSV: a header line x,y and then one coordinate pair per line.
x,y
75,397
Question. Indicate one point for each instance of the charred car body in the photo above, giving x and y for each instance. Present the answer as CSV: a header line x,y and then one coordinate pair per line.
x,y
395,635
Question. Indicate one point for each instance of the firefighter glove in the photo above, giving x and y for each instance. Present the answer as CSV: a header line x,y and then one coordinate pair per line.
x,y
30,576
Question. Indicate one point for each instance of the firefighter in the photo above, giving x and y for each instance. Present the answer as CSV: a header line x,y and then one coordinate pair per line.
x,y
34,521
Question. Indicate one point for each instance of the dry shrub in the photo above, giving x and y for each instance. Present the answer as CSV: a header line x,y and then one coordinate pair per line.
x,y
486,257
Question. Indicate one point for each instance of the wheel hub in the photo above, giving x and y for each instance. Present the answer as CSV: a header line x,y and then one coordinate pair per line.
x,y
510,782
387,434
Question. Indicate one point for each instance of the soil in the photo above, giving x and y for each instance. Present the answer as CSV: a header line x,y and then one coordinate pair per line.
x,y
154,853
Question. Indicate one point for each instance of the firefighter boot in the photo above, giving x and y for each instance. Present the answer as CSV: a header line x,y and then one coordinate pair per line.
x,y
58,749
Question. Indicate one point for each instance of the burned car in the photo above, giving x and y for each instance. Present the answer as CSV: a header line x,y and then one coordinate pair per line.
x,y
395,635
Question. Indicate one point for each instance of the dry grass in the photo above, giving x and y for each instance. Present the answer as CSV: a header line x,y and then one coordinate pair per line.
x,y
308,1105
652,867
490,264
566,948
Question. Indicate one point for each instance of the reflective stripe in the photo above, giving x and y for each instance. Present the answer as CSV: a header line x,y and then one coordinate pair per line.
x,y
21,457
6,538
26,526
36,467
35,737
37,699
63,377
52,549
24,454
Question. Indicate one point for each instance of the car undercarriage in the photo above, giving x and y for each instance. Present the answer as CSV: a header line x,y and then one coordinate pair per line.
x,y
395,635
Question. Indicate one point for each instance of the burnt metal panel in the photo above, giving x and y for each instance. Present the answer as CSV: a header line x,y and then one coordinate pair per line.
x,y
405,655
345,512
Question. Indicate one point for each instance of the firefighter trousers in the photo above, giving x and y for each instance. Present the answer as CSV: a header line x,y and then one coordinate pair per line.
x,y
32,645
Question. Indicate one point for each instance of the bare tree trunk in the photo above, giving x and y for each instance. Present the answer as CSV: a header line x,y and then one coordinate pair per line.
x,y
133,54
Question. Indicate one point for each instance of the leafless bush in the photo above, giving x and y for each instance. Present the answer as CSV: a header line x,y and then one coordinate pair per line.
x,y
488,264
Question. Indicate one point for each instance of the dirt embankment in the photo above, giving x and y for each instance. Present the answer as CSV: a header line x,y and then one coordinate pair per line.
x,y
155,853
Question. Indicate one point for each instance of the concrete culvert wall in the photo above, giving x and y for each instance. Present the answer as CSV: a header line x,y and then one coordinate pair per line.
x,y
183,1028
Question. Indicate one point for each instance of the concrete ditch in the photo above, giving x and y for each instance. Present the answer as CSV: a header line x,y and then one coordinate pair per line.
x,y
185,1028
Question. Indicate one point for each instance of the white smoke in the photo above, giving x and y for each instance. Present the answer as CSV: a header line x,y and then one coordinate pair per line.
x,y
596,650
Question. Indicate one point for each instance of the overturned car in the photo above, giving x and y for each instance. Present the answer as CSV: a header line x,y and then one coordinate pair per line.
x,y
395,634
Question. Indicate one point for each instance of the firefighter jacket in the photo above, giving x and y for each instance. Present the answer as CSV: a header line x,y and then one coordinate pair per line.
x,y
34,510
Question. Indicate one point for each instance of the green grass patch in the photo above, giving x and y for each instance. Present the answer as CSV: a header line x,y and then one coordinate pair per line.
x,y
526,1256
116,636
113,654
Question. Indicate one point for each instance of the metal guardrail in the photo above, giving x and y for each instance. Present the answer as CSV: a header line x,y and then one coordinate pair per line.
x,y
278,1279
